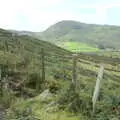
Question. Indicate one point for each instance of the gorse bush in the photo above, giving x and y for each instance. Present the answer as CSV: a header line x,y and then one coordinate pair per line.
x,y
107,109
34,80
52,85
74,101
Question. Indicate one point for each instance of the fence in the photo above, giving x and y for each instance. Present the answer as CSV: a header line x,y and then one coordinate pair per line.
x,y
72,63
74,67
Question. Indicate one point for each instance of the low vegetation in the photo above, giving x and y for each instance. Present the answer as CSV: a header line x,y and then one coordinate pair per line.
x,y
27,94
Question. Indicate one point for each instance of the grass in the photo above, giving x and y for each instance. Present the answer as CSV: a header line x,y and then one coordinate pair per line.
x,y
41,111
24,64
87,72
77,47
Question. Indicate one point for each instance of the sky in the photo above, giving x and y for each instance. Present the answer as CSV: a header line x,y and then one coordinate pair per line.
x,y
38,15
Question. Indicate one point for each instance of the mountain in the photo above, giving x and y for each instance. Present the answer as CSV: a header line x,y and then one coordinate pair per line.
x,y
101,36
62,28
72,32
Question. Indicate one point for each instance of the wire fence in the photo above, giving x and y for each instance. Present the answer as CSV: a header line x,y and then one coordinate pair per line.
x,y
71,66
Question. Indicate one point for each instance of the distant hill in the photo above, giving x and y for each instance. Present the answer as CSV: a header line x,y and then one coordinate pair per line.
x,y
101,36
22,32
91,35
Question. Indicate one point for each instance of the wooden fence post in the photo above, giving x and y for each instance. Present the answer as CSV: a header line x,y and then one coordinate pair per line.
x,y
42,71
6,46
43,64
74,70
0,81
15,66
97,86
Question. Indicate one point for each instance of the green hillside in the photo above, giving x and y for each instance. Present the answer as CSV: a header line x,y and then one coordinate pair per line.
x,y
36,81
21,60
101,36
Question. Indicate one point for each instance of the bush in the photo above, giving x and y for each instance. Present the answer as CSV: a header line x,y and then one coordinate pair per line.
x,y
107,109
75,102
53,85
7,98
34,81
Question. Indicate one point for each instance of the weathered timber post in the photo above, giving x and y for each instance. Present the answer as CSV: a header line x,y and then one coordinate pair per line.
x,y
97,86
5,81
6,46
74,71
42,71
43,64
0,81
15,66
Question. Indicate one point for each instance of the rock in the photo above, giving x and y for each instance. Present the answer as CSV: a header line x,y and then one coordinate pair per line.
x,y
52,107
46,95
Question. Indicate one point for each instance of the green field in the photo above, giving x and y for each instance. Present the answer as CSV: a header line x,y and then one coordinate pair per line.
x,y
77,47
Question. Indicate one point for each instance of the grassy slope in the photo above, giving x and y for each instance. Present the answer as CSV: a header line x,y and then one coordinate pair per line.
x,y
24,56
29,48
87,72
25,52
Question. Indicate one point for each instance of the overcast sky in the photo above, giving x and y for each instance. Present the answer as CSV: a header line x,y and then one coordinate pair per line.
x,y
37,15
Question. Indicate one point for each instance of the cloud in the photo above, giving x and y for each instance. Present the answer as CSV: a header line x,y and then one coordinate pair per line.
x,y
36,15
21,14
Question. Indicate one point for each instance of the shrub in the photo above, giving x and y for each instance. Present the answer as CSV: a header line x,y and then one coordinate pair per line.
x,y
53,85
7,98
75,102
34,81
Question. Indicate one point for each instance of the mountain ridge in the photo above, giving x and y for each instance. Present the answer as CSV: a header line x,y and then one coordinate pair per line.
x,y
101,36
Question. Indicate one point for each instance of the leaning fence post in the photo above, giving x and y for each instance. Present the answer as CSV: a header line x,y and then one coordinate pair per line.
x,y
97,86
43,64
42,69
0,81
6,46
74,70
